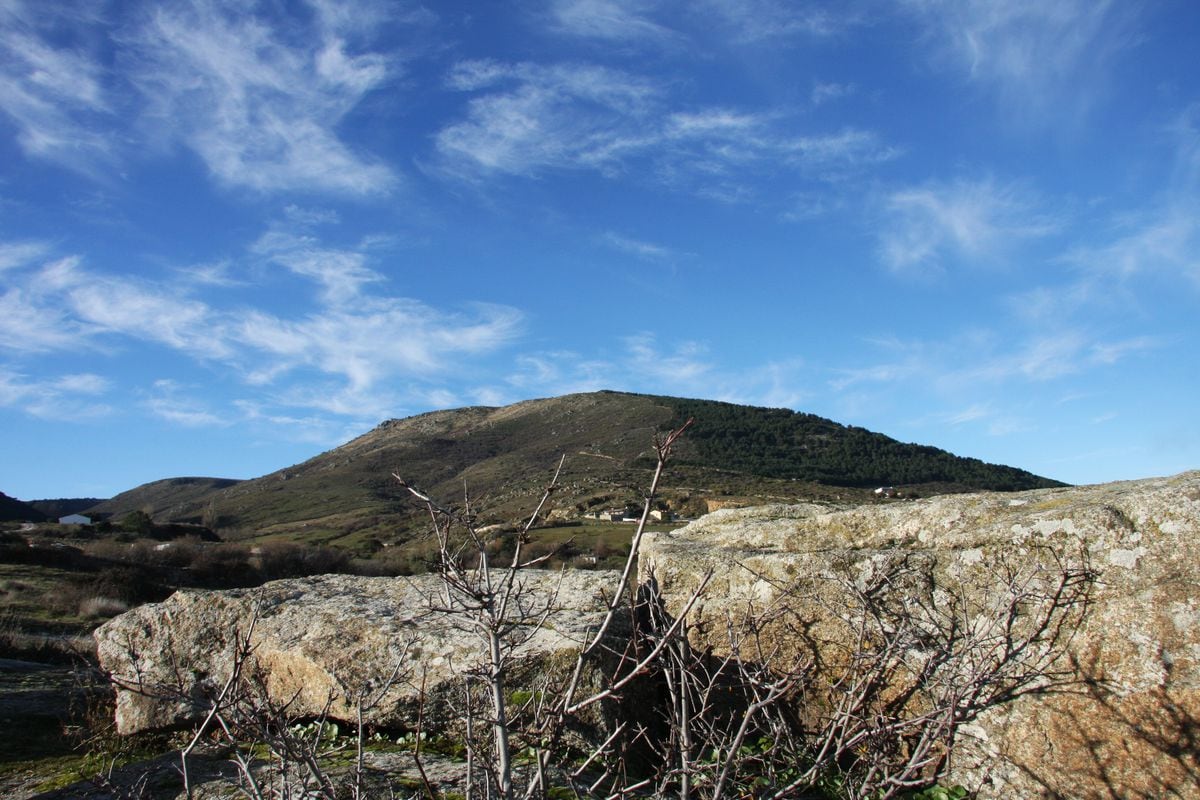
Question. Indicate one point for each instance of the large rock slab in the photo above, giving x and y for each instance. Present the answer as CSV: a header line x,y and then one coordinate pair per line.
x,y
1123,716
321,643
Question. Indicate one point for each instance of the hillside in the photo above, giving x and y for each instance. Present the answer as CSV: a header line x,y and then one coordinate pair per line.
x,y
503,456
62,506
13,509
167,500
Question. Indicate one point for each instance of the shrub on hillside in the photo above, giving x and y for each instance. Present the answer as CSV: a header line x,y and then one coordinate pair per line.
x,y
122,583
224,566
276,560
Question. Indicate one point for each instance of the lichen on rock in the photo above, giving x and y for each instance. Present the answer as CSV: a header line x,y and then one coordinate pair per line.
x,y
1118,711
320,643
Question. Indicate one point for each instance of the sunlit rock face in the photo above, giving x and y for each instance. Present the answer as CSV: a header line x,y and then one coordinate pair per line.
x,y
1116,712
324,644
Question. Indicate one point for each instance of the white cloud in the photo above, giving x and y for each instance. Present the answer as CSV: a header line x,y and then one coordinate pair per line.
x,y
647,251
54,95
216,274
343,273
179,405
386,337
33,318
1159,240
476,74
348,350
1041,358
263,112
125,307
1112,352
1166,241
529,119
20,254
831,154
261,103
975,412
612,20
66,398
753,21
1044,60
716,22
310,217
848,377
1007,426
825,92
973,221
643,363
982,358
983,380
82,383
310,429
553,117
682,367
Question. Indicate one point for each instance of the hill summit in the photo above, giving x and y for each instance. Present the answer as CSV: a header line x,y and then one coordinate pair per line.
x,y
503,457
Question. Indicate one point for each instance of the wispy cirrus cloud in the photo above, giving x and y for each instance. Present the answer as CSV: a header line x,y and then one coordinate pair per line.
x,y
1163,241
975,221
751,21
609,20
533,118
261,104
55,95
120,306
344,347
18,254
180,405
262,110
528,119
643,362
823,93
647,251
387,338
982,380
675,23
70,397
1122,254
33,318
1043,60
341,273
981,358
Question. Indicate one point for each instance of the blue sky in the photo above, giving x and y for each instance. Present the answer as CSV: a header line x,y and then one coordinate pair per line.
x,y
234,235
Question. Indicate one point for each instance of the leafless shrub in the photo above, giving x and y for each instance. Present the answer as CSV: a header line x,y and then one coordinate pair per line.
x,y
845,685
224,566
860,685
122,583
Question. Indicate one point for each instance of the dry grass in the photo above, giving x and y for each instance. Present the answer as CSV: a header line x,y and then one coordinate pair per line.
x,y
103,607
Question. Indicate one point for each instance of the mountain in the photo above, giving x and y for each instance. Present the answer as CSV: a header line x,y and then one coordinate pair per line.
x,y
63,506
504,457
167,500
13,509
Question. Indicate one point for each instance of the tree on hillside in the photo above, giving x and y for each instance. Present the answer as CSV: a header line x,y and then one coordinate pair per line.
x,y
138,522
